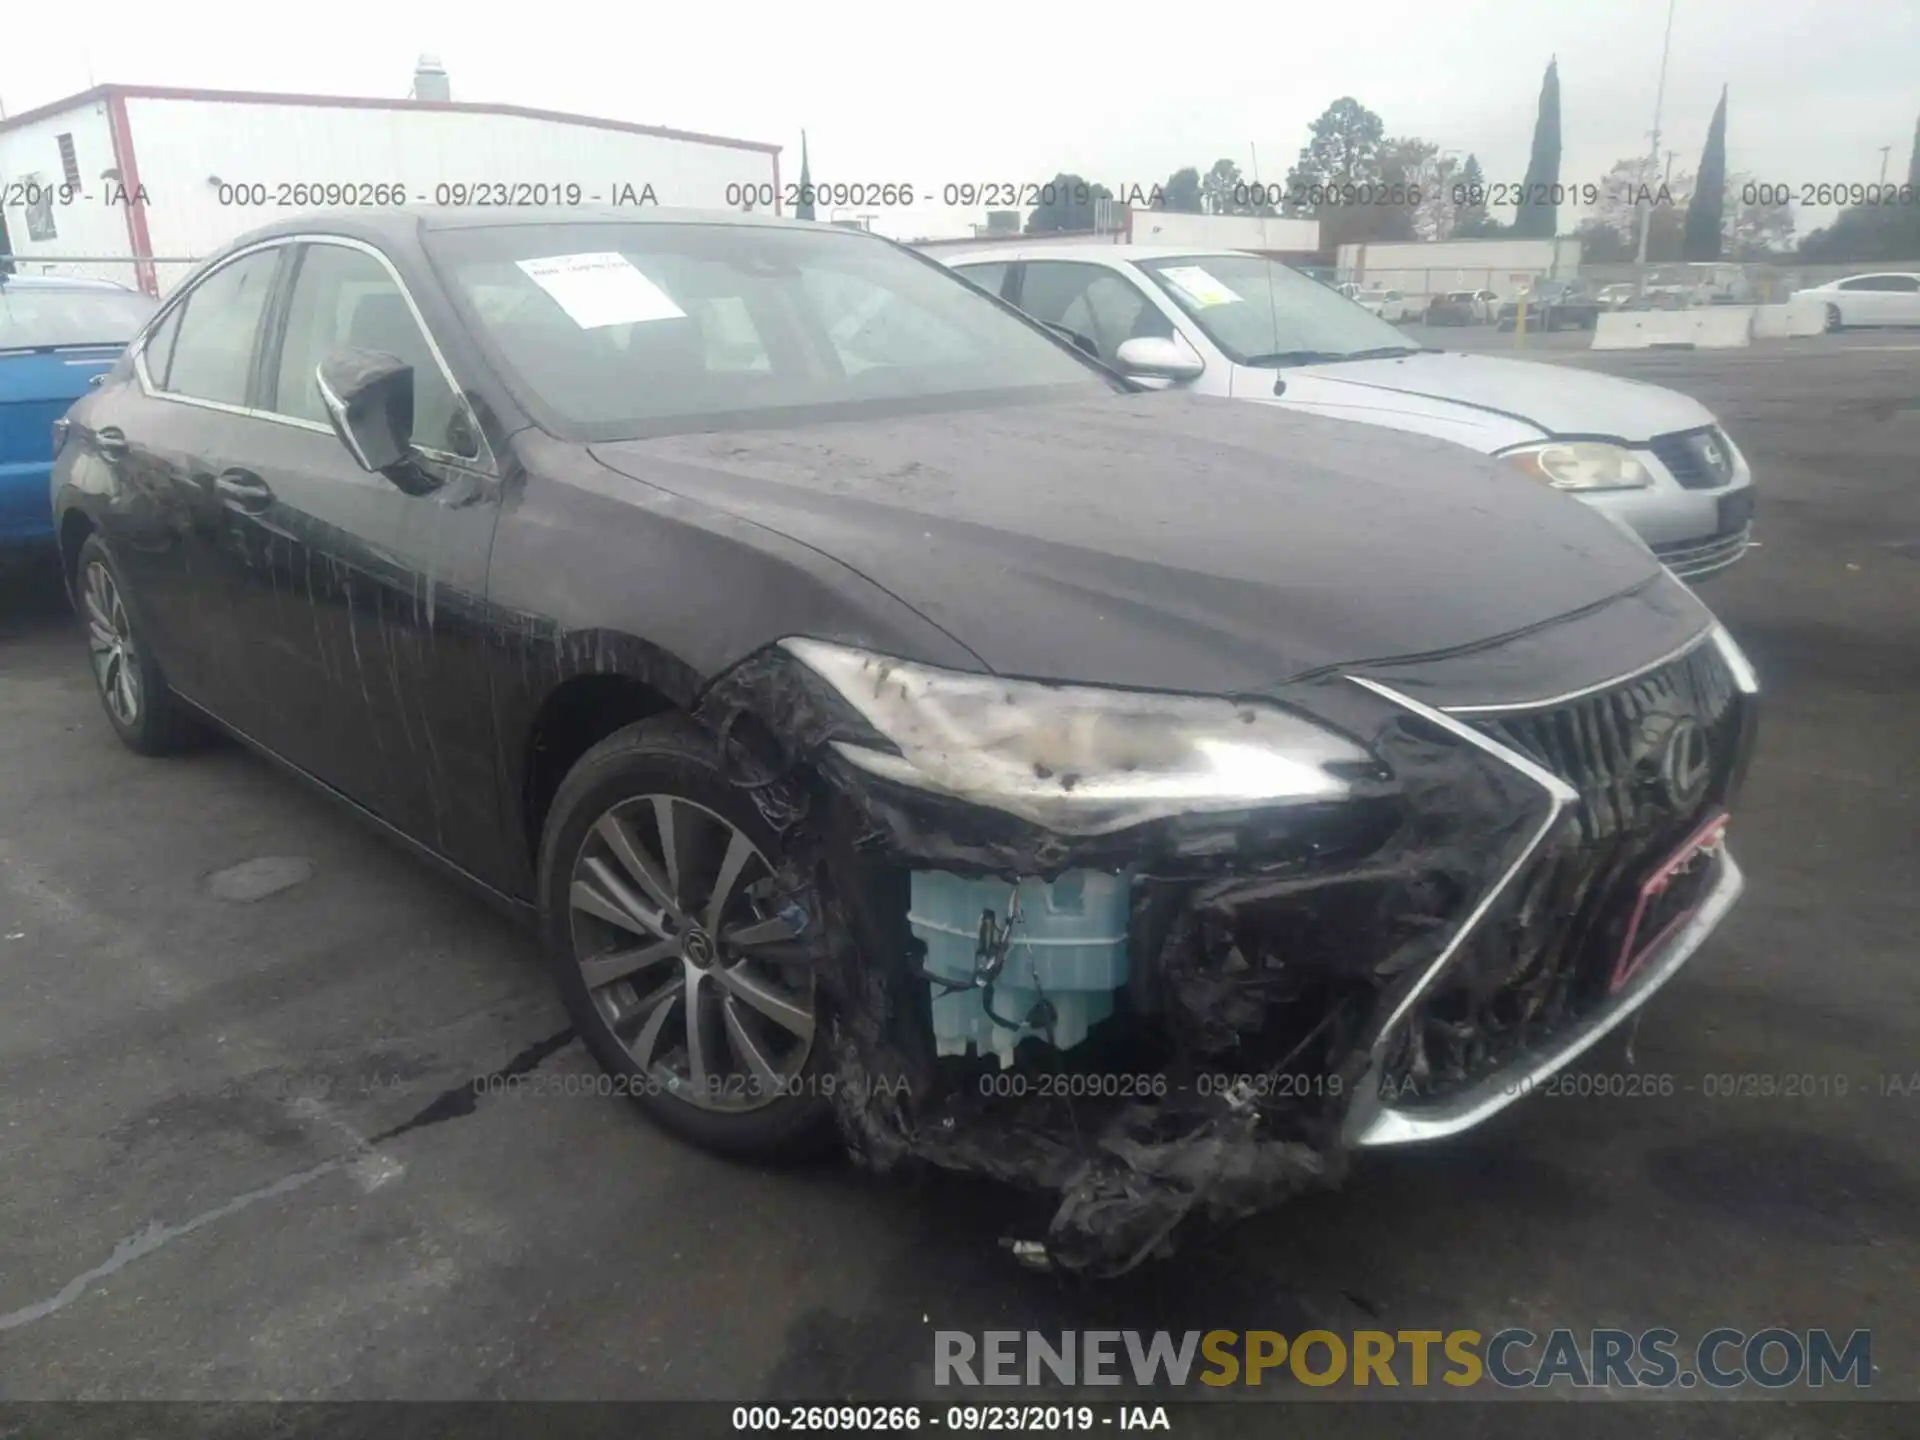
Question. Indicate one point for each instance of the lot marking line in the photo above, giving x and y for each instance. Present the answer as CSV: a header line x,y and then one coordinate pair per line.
x,y
153,1237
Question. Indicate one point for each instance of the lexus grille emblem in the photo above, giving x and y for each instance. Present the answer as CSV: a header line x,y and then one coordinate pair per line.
x,y
1685,765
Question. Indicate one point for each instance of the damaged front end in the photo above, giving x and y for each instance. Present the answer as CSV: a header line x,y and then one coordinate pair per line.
x,y
1173,958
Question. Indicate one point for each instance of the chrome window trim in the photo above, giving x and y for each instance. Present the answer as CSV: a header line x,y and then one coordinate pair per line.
x,y
485,460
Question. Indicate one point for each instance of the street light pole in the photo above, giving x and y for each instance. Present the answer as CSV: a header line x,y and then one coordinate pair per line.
x,y
1884,151
1653,163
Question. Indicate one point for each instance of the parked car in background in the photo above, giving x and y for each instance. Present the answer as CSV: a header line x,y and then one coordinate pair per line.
x,y
1554,305
1460,307
57,336
1618,296
1887,297
1393,306
1222,323
857,734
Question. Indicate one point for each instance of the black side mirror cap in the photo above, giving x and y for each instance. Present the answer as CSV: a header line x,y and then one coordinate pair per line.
x,y
368,396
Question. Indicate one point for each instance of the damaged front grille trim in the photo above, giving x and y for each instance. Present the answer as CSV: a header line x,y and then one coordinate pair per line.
x,y
1370,1122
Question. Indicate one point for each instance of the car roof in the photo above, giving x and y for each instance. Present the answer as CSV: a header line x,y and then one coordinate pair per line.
x,y
404,225
62,282
1085,250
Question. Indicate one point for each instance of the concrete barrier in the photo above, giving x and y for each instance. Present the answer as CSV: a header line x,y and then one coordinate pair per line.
x,y
1723,327
1791,320
1642,329
1716,327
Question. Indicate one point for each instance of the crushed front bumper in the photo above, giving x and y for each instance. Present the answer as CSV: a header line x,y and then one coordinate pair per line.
x,y
1395,968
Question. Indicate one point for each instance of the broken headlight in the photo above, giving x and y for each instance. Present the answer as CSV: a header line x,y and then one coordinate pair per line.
x,y
1076,759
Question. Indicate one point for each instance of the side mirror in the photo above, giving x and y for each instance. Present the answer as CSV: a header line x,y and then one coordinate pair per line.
x,y
369,399
1158,357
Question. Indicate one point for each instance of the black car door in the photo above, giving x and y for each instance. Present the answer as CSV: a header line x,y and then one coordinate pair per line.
x,y
161,435
364,604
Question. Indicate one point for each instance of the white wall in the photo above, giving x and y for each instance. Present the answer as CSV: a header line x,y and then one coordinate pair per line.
x,y
180,144
1431,268
1224,232
88,226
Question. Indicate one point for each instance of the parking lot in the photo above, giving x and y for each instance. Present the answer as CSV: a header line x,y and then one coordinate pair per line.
x,y
244,1156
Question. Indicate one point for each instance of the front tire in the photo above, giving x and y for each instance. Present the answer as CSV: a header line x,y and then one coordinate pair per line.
x,y
673,949
1835,323
147,716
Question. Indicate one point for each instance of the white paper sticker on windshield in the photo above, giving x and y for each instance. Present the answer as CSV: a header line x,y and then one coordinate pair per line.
x,y
601,289
1199,286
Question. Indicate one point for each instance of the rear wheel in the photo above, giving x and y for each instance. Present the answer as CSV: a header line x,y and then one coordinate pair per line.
x,y
673,948
147,716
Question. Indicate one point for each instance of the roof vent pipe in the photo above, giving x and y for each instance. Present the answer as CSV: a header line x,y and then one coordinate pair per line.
x,y
430,80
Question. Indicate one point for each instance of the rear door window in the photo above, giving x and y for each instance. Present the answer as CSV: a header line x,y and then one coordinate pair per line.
x,y
990,276
214,348
1099,305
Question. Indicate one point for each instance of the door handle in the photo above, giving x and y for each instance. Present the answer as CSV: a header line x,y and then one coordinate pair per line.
x,y
110,443
242,490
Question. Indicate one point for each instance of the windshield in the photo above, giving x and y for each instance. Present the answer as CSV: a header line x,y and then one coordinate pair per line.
x,y
35,319
621,331
1260,312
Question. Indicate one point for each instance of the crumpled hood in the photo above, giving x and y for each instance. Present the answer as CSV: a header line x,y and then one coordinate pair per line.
x,y
1555,399
1165,541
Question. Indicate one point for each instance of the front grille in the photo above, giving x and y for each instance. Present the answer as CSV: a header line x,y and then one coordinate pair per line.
x,y
1699,459
1545,954
1693,558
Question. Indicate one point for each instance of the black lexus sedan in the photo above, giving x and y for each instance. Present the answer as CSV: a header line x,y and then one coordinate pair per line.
x,y
897,725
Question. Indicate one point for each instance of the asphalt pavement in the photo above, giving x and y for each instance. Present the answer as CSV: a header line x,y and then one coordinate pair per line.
x,y
243,1156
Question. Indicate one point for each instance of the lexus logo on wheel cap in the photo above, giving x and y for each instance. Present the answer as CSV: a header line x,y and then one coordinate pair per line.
x,y
1685,764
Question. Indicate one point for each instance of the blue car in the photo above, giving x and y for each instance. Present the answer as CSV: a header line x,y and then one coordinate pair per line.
x,y
57,336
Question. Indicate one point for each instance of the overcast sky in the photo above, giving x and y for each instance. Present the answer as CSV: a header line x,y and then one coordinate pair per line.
x,y
994,91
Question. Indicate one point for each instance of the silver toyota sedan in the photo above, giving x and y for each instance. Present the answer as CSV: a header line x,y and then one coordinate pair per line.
x,y
1241,326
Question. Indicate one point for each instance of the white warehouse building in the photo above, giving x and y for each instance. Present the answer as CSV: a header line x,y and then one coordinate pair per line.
x,y
136,182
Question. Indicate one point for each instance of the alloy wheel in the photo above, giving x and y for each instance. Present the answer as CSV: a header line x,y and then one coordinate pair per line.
x,y
689,955
110,644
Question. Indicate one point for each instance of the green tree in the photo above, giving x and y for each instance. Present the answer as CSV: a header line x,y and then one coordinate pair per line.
x,y
1707,209
1755,231
1066,204
1601,244
1181,193
1408,166
1470,218
1866,235
1342,150
1537,215
1218,188
804,209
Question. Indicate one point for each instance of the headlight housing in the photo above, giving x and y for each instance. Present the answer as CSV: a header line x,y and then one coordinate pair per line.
x,y
1581,465
1076,759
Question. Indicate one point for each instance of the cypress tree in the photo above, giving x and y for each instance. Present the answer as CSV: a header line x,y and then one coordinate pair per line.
x,y
1537,215
803,210
1704,211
